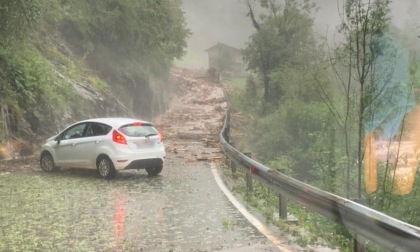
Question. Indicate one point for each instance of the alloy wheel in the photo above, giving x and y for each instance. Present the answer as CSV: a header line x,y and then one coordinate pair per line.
x,y
105,168
47,162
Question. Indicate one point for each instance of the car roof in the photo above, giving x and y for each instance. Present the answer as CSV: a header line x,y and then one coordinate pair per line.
x,y
115,121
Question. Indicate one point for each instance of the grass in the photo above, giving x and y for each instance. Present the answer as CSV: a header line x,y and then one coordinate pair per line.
x,y
237,83
311,225
229,224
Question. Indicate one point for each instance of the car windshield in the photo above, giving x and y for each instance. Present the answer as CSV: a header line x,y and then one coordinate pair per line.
x,y
138,130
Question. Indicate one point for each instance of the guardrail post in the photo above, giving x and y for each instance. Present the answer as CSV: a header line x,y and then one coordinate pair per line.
x,y
248,175
282,203
232,167
359,242
249,181
283,207
227,129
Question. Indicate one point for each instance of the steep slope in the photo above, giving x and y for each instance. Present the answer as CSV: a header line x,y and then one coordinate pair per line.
x,y
69,60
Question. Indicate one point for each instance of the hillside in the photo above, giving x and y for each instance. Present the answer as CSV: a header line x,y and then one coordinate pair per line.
x,y
64,61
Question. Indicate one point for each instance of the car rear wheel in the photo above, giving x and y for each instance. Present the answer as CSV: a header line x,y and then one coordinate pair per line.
x,y
153,171
105,167
47,162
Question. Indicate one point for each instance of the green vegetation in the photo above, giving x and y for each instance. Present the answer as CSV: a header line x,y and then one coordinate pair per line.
x,y
123,49
280,97
310,107
133,43
312,228
229,224
237,83
26,80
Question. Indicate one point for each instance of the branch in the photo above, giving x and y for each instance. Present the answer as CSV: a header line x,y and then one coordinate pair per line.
x,y
319,88
251,14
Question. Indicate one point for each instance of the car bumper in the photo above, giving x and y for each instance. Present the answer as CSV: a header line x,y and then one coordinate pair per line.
x,y
144,163
124,163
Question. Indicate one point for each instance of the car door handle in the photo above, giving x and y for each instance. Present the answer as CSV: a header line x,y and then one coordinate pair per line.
x,y
98,141
73,144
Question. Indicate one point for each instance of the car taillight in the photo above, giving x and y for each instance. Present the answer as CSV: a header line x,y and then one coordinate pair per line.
x,y
118,137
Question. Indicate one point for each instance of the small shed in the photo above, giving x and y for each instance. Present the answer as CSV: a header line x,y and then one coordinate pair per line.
x,y
226,60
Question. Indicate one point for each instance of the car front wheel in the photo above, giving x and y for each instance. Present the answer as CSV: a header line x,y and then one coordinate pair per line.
x,y
105,167
47,162
153,171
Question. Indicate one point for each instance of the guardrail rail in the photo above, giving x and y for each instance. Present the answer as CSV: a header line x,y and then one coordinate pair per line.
x,y
363,222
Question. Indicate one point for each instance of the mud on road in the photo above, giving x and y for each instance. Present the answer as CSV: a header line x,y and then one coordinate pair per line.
x,y
182,209
195,117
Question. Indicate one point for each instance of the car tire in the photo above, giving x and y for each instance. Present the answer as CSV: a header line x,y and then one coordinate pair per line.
x,y
153,171
47,162
105,167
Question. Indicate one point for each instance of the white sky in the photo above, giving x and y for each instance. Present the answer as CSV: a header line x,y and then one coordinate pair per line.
x,y
225,21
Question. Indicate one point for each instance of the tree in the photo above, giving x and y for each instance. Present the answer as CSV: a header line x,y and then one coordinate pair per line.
x,y
364,65
283,37
283,53
17,18
133,42
153,32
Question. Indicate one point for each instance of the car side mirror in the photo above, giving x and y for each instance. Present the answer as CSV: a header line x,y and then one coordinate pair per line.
x,y
57,138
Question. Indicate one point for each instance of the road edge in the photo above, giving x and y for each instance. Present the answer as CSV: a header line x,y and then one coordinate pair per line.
x,y
263,229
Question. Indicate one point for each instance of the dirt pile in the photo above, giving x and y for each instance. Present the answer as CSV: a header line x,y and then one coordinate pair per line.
x,y
195,117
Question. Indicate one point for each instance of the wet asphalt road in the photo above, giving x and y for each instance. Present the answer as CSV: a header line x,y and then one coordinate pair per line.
x,y
182,209
74,210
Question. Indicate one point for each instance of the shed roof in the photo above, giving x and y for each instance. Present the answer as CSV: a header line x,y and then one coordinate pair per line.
x,y
223,45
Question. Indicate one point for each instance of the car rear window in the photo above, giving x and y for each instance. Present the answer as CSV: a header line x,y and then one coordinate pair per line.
x,y
142,130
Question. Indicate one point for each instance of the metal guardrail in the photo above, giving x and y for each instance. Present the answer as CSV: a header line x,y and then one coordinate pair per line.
x,y
372,225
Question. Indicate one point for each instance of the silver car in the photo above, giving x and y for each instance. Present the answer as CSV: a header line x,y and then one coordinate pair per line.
x,y
106,144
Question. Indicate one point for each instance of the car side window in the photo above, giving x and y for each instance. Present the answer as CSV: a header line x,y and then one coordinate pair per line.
x,y
76,131
97,129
